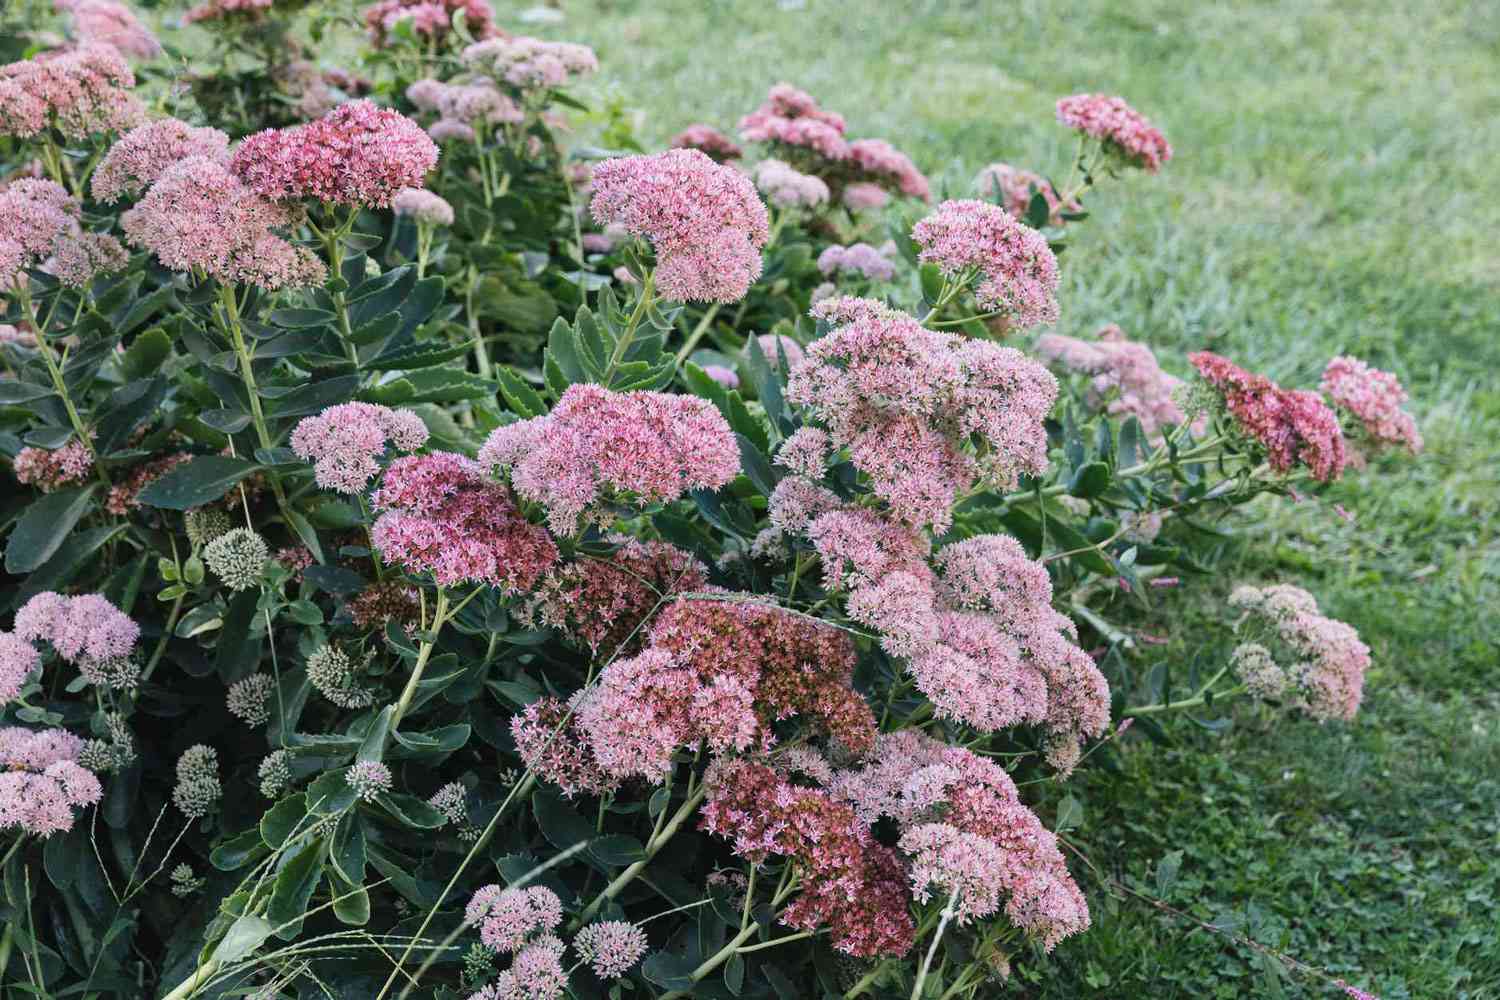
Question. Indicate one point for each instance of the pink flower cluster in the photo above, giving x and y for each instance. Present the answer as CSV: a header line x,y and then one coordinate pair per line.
x,y
792,117
110,23
357,154
857,258
79,91
904,400
1294,426
1016,187
198,215
704,220
709,141
598,447
41,781
850,883
86,630
530,63
345,441
1017,267
423,207
611,948
1126,378
603,602
1373,398
461,106
887,166
966,831
508,917
18,660
215,10
433,18
1118,126
1327,677
141,155
52,470
786,187
39,224
441,515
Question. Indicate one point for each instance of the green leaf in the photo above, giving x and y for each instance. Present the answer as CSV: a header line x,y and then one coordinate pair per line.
x,y
14,391
1090,480
330,793
347,849
145,354
412,812
294,319
414,356
560,822
245,935
282,819
734,974
43,527
519,396
430,385
238,645
1166,872
1069,813
1038,211
669,970
293,890
373,747
314,397
238,851
617,850
197,482
756,466
351,903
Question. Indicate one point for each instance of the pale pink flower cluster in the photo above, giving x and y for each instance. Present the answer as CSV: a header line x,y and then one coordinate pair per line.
x,y
41,781
1118,126
531,63
462,106
39,225
708,140
1294,426
1016,187
423,207
1327,676
52,470
110,23
965,830
78,91
370,779
704,220
786,187
857,258
86,631
433,18
862,196
140,156
597,447
76,261
507,918
441,515
889,167
214,10
536,973
791,117
198,215
345,441
775,346
1374,399
18,660
904,401
611,948
357,154
1126,378
1017,268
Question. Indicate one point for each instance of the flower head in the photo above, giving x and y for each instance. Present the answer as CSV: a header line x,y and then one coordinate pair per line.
x,y
1373,398
1017,268
1015,188
1126,378
858,258
708,140
249,700
611,948
79,91
110,23
52,470
19,659
1293,426
198,788
508,917
1118,126
41,781
344,442
370,779
237,558
434,19
787,187
140,156
423,207
1326,673
527,63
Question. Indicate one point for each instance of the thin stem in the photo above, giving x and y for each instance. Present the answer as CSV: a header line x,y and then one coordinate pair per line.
x,y
916,990
656,843
698,332
775,941
410,691
647,289
59,384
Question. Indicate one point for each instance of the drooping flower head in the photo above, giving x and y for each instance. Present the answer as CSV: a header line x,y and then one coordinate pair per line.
x,y
357,154
1017,269
708,140
41,781
1321,663
78,92
344,442
110,23
1126,378
1373,398
1293,426
1015,188
704,220
1121,128
441,515
598,446
140,156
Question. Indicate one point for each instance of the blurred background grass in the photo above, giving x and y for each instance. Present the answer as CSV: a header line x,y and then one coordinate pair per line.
x,y
1336,188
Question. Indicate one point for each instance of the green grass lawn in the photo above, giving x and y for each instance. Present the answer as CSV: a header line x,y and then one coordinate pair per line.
x,y
1336,188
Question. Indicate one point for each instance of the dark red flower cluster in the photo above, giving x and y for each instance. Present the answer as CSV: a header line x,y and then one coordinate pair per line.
x,y
1293,425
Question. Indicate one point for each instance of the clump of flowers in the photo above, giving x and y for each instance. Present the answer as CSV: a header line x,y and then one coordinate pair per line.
x,y
237,558
52,470
599,447
431,19
887,166
791,117
709,141
140,156
1016,268
344,442
611,948
1322,664
1126,378
110,23
78,92
508,918
1015,188
335,676
786,187
275,773
39,223
858,258
229,11
357,154
19,659
1373,398
370,779
703,219
198,787
1293,426
249,699
904,401
441,515
1121,129
423,207
530,64
41,781
461,107
86,631
197,215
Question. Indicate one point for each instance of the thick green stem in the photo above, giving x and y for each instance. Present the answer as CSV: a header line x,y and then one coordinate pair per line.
x,y
697,334
247,376
423,655
626,338
655,844
866,981
937,937
1201,698
59,384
